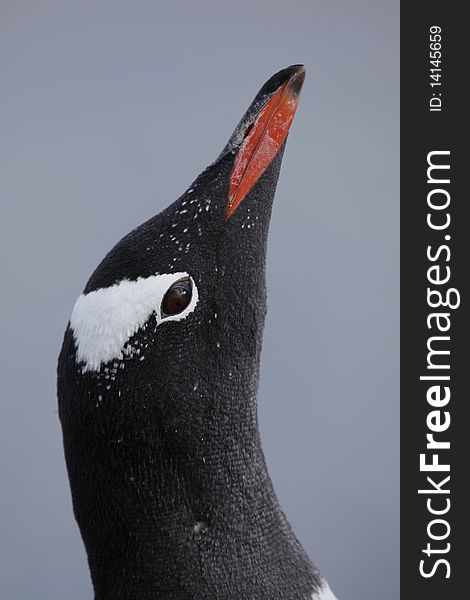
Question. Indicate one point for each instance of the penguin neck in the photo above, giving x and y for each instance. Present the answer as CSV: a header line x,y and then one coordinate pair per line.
x,y
196,511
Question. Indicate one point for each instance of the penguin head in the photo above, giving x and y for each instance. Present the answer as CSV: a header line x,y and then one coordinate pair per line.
x,y
172,318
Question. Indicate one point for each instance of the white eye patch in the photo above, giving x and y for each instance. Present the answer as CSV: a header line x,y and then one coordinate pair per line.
x,y
105,319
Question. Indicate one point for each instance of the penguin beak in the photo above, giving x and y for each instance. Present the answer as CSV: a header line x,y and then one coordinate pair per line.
x,y
262,132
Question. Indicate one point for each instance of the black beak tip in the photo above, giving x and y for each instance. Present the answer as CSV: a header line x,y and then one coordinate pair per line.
x,y
295,73
297,83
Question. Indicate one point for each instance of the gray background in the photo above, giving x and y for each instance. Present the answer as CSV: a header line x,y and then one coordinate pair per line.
x,y
108,111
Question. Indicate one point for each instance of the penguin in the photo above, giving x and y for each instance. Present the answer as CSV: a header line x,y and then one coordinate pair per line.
x,y
157,390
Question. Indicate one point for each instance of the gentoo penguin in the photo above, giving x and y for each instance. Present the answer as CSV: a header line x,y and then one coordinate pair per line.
x,y
157,386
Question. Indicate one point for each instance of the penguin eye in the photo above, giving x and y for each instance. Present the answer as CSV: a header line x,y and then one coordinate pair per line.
x,y
177,298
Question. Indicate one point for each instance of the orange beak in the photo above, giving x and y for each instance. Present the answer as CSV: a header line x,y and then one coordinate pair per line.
x,y
266,134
